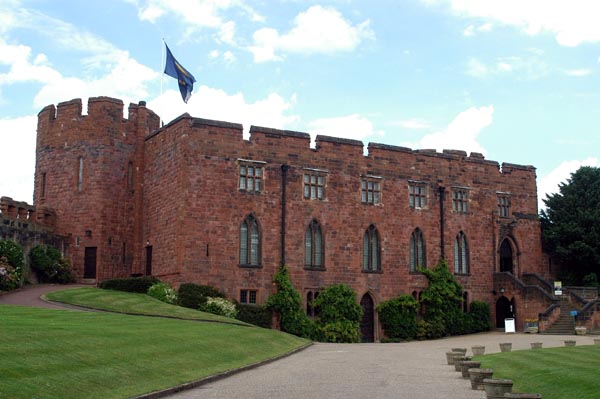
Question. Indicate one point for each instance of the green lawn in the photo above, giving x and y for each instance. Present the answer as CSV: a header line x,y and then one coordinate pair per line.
x,y
126,302
73,354
556,373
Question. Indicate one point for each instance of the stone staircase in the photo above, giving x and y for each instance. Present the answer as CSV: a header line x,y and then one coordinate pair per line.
x,y
564,325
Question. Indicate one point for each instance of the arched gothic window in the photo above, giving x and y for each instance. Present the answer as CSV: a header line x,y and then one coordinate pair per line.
x,y
461,254
371,250
249,242
313,246
417,250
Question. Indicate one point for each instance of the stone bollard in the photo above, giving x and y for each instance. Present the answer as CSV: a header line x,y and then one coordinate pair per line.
x,y
596,341
460,350
477,376
536,345
458,361
523,395
505,346
478,350
450,356
570,342
466,365
496,388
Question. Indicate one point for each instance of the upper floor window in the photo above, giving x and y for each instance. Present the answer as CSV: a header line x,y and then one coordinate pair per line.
x,y
370,188
249,242
417,251
249,296
461,254
417,195
504,205
130,175
460,200
314,185
43,184
371,250
251,176
313,246
80,174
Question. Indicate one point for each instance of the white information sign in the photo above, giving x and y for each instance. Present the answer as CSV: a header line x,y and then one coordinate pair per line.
x,y
509,325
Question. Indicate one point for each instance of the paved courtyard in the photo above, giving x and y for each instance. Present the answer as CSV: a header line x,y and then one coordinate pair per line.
x,y
414,370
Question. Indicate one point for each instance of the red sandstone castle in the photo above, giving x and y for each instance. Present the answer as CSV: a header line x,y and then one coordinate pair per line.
x,y
195,202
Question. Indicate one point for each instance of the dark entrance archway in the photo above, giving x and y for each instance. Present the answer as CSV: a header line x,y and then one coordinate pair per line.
x,y
506,256
504,310
367,324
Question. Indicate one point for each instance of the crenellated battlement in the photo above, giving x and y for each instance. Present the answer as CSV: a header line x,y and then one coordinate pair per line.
x,y
286,142
23,215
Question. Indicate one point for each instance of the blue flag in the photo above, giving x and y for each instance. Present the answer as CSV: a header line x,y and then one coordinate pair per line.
x,y
184,78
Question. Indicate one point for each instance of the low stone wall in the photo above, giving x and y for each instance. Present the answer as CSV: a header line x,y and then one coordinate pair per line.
x,y
23,224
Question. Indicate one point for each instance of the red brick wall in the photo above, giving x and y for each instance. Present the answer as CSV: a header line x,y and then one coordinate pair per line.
x,y
105,207
193,210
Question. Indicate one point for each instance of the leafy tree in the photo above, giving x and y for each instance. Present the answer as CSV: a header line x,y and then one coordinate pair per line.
x,y
571,224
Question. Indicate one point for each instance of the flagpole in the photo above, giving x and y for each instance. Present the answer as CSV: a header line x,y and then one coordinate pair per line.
x,y
162,63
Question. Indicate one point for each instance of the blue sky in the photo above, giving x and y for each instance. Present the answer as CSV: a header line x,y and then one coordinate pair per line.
x,y
515,80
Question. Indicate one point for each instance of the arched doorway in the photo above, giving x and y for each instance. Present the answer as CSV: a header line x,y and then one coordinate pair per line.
x,y
367,324
506,256
504,310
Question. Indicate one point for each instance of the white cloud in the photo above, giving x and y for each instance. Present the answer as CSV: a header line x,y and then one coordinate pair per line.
x,y
17,163
530,67
571,22
210,103
319,29
197,14
578,72
461,133
352,126
411,124
477,68
549,183
472,29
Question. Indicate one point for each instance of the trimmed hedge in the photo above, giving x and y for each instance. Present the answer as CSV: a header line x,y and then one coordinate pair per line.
x,y
398,317
138,285
254,314
193,295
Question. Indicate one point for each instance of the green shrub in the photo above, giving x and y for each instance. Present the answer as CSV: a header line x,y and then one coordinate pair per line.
x,y
10,278
338,313
219,306
254,314
13,253
398,317
458,323
430,329
480,316
130,284
338,331
49,265
163,292
193,295
288,304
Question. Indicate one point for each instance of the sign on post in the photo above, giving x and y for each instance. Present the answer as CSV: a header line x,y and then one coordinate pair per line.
x,y
558,288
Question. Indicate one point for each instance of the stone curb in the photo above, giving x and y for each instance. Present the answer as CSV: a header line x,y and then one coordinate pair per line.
x,y
206,380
